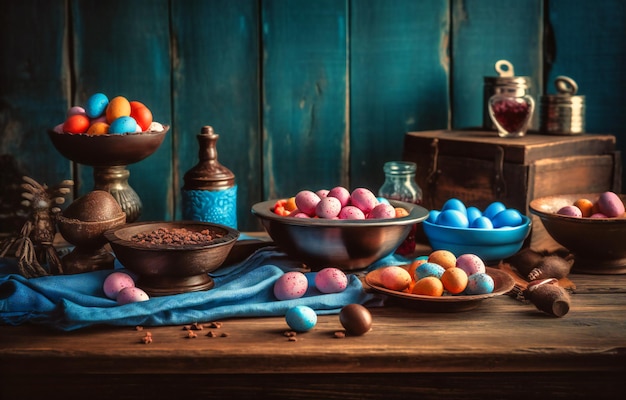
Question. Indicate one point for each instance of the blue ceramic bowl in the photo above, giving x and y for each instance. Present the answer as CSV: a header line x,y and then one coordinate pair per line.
x,y
491,245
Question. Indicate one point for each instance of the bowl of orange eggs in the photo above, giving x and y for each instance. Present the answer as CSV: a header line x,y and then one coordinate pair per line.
x,y
592,226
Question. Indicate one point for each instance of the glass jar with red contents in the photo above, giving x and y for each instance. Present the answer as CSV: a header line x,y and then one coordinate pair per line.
x,y
509,106
400,185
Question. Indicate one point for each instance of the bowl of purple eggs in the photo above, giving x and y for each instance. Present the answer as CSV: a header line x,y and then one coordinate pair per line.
x,y
592,226
338,228
493,234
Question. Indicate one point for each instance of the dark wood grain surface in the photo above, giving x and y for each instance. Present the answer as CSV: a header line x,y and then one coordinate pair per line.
x,y
493,351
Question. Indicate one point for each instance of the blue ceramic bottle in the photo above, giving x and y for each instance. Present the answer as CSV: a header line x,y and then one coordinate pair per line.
x,y
209,193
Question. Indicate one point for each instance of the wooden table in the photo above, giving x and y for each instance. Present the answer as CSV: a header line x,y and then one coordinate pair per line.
x,y
503,349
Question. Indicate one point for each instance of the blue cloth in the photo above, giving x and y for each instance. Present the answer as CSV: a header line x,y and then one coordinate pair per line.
x,y
245,289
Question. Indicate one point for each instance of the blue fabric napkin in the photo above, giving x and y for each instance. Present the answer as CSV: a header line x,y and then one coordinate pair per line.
x,y
245,289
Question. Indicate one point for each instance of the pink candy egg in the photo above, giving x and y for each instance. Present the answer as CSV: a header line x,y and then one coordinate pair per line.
x,y
322,193
382,211
115,282
328,207
351,212
340,193
364,199
306,201
331,280
131,295
290,285
610,205
570,211
470,263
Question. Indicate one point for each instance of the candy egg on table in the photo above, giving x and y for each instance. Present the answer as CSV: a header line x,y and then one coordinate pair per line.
x,y
301,318
356,319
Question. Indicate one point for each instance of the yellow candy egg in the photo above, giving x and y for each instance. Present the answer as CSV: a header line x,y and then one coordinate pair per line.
x,y
98,128
118,107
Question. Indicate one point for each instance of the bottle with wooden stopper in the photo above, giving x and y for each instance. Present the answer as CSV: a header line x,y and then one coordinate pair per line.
x,y
209,193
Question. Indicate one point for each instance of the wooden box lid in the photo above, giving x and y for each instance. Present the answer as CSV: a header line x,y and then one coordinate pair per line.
x,y
524,150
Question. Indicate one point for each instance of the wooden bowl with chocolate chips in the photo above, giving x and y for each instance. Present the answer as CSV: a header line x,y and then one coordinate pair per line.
x,y
172,257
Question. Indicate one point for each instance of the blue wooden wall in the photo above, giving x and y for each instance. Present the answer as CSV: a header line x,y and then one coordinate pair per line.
x,y
304,94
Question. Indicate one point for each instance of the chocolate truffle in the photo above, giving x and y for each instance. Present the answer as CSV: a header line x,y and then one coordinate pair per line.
x,y
356,319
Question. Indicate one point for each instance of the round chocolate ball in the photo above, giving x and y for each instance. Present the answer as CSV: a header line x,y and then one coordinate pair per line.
x,y
356,319
95,206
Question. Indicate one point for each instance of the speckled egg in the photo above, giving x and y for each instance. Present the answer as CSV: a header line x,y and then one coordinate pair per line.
x,y
331,280
306,201
118,107
123,125
479,283
570,211
96,105
470,263
395,278
382,211
340,193
351,212
301,318
115,282
131,295
428,269
364,199
290,285
328,207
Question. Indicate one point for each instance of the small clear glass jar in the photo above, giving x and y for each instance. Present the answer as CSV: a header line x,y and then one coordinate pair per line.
x,y
400,185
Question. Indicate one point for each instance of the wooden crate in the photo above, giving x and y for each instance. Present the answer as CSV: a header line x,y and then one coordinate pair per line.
x,y
479,167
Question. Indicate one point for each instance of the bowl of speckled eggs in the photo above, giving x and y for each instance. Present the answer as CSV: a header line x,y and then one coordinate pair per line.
x,y
348,230
592,226
108,132
493,234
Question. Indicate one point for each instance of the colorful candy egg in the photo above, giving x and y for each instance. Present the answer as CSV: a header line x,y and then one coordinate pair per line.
x,y
96,105
118,107
123,125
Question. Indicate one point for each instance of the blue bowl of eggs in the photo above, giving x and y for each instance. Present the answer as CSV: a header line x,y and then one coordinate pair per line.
x,y
493,234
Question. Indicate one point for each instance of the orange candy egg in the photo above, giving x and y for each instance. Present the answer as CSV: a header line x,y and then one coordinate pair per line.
x,y
141,114
444,258
118,107
585,206
77,123
428,286
454,280
98,128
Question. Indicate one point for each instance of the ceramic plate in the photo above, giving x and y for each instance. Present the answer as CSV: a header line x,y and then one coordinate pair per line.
x,y
503,283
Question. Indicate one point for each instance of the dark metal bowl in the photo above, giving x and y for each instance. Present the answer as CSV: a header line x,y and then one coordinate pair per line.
x,y
171,269
107,150
344,244
598,244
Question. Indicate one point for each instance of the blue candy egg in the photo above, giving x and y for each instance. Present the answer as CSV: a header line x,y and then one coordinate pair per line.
x,y
481,223
473,213
123,125
479,283
493,208
432,216
428,269
454,204
508,217
454,218
96,104
382,200
301,318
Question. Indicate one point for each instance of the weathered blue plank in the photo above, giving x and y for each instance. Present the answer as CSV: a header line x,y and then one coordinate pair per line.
x,y
590,48
33,86
305,95
484,32
398,79
122,48
216,72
